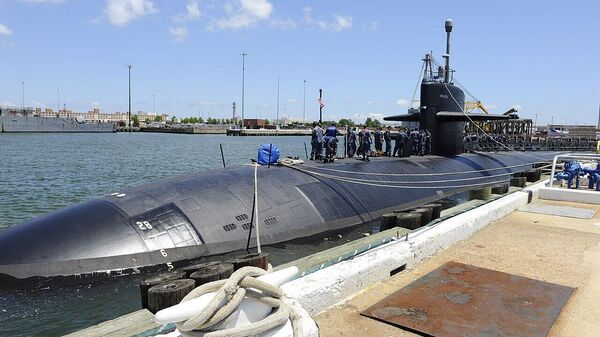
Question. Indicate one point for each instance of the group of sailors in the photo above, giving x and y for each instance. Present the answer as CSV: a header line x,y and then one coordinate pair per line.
x,y
359,141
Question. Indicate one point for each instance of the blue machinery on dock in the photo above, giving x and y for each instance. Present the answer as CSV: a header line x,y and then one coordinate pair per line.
x,y
573,170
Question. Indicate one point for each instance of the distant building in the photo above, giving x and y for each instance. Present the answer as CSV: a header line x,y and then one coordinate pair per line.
x,y
254,123
572,131
91,116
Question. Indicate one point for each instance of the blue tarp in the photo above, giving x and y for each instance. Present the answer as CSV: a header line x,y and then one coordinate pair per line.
x,y
268,152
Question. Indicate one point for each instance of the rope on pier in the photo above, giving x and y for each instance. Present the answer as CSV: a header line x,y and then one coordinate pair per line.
x,y
240,284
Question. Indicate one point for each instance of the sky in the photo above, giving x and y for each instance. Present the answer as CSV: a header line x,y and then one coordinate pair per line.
x,y
537,56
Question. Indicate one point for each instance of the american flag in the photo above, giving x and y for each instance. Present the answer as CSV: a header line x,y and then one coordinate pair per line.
x,y
320,100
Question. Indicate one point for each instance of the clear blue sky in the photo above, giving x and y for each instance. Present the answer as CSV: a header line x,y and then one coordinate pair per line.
x,y
538,55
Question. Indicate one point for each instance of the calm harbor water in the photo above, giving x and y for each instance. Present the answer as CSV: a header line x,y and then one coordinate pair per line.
x,y
40,173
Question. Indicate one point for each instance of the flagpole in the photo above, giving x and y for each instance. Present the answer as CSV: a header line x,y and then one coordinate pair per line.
x,y
320,105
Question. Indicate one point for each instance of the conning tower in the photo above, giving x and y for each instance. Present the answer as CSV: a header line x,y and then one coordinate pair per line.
x,y
441,110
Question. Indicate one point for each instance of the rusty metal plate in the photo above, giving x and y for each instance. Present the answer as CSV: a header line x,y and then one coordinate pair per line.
x,y
459,300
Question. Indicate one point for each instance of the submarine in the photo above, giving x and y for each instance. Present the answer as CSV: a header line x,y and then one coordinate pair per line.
x,y
166,224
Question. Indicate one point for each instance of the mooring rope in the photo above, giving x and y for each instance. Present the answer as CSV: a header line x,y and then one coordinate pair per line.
x,y
233,290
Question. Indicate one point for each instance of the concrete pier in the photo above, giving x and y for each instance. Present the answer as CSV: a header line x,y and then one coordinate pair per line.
x,y
526,244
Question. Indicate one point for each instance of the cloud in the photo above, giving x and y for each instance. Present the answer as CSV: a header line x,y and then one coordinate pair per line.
x,y
402,103
283,24
371,26
293,100
339,22
208,103
370,102
4,30
179,34
192,12
376,115
242,14
121,12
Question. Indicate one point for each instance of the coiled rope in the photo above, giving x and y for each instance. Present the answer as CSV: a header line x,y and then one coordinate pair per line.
x,y
233,290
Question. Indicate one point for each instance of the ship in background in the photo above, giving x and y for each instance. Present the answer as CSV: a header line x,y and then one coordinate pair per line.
x,y
26,120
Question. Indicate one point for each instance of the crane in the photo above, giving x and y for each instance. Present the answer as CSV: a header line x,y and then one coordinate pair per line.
x,y
472,105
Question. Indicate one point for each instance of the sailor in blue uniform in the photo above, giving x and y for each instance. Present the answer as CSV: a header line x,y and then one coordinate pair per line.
x,y
387,136
378,140
401,138
366,144
351,141
416,138
319,149
313,142
330,140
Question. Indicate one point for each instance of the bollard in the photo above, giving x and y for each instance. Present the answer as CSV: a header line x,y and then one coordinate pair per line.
x,y
151,282
484,193
168,294
436,210
425,215
518,182
211,273
533,175
388,221
408,220
250,260
500,189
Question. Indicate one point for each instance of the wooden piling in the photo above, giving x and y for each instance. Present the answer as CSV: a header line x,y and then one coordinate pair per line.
x,y
168,294
484,193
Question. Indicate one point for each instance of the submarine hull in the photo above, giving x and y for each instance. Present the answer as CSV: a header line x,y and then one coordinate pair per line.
x,y
163,224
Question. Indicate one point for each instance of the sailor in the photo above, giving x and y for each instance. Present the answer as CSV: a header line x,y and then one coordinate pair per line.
x,y
366,144
378,140
330,142
351,141
319,133
415,137
399,144
361,134
313,141
423,141
330,149
427,142
387,135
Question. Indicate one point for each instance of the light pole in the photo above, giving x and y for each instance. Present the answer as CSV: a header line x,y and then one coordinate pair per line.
x,y
23,93
154,103
58,99
129,111
277,125
243,83
304,104
552,120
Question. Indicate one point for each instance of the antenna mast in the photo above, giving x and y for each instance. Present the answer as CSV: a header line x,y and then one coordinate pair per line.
x,y
448,25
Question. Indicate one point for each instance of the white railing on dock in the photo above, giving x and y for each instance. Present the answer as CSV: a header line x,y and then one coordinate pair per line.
x,y
567,156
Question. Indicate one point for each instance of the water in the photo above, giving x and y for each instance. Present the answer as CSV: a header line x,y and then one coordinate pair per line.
x,y
40,173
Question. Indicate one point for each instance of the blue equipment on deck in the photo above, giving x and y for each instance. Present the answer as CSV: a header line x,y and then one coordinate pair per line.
x,y
593,177
268,154
571,170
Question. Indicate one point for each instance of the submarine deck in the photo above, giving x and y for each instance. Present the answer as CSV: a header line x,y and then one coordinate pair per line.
x,y
545,247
